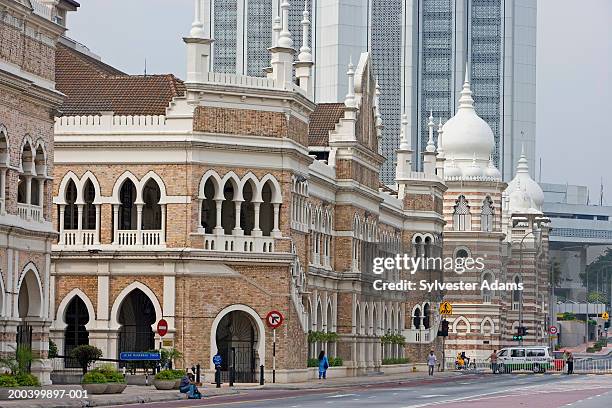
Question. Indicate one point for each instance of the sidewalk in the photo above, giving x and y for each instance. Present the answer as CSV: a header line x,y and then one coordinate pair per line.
x,y
135,394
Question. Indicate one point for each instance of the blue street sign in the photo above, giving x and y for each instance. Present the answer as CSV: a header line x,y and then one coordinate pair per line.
x,y
139,355
217,360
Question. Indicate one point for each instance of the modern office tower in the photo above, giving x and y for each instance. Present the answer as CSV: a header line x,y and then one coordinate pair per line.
x,y
419,51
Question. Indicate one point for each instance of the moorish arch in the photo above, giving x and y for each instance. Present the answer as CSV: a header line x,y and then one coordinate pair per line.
x,y
461,325
239,326
114,316
30,298
487,327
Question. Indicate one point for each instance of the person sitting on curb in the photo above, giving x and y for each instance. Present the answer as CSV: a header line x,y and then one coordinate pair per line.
x,y
188,387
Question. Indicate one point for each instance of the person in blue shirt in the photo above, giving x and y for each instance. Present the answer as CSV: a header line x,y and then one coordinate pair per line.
x,y
323,364
188,387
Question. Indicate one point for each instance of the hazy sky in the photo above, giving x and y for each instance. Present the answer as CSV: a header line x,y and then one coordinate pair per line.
x,y
574,89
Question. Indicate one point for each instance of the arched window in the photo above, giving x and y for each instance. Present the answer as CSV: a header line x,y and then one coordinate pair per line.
x,y
247,209
462,221
151,210
209,209
75,333
418,246
89,209
416,319
228,208
136,315
487,293
70,210
516,295
267,210
36,186
426,315
127,212
27,166
486,215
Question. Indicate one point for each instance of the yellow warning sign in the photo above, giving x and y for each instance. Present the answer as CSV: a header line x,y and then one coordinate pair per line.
x,y
605,316
446,308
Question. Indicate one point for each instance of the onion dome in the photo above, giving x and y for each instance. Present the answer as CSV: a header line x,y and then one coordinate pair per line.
x,y
491,171
451,170
474,170
528,185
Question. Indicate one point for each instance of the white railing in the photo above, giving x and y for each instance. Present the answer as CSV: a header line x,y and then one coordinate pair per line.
x,y
239,80
231,243
29,212
79,237
143,237
111,123
41,9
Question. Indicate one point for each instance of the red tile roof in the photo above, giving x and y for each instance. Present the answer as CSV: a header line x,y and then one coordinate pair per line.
x,y
322,120
92,86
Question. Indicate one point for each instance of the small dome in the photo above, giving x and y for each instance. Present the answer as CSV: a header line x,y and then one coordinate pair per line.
x,y
530,187
491,171
474,170
452,170
466,134
519,200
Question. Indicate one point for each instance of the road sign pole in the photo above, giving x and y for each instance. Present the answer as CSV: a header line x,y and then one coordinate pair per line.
x,y
273,356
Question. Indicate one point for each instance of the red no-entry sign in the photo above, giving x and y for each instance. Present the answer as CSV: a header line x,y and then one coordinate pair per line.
x,y
162,327
274,319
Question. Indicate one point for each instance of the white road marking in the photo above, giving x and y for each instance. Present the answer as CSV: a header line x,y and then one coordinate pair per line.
x,y
341,395
432,395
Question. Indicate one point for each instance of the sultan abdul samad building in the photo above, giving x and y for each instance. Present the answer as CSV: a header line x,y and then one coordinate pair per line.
x,y
212,201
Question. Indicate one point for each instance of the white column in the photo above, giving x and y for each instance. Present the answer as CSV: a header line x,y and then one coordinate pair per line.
x,y
237,230
276,230
97,235
41,194
200,202
163,224
29,196
256,230
79,235
218,227
62,209
116,224
138,224
3,190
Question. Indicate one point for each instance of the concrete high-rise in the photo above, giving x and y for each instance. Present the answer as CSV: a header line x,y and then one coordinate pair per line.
x,y
419,49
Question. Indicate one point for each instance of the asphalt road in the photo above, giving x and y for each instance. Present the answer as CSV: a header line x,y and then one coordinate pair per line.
x,y
481,391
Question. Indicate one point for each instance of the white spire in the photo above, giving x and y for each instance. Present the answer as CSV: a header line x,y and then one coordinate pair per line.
x,y
404,138
431,147
377,105
285,40
276,29
305,51
522,166
197,28
466,101
440,132
350,96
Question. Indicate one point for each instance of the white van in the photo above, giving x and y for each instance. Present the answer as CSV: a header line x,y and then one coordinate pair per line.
x,y
532,358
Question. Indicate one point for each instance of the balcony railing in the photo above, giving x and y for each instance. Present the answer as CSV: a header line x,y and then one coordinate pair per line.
x,y
29,212
79,237
238,243
142,237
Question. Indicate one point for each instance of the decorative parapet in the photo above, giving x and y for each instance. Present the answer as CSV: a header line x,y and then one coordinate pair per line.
x,y
109,123
218,78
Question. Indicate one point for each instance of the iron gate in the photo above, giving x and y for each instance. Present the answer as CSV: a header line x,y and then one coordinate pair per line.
x,y
24,340
131,339
239,360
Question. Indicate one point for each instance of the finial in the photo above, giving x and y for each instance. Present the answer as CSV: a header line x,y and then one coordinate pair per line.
x,y
466,101
522,166
404,141
197,28
350,96
284,39
430,143
440,132
276,29
305,51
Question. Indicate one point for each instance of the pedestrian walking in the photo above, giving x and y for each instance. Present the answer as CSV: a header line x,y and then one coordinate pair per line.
x,y
570,363
323,365
431,362
493,357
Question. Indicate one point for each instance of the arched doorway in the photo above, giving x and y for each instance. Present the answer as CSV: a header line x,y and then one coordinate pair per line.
x,y
136,316
236,338
75,333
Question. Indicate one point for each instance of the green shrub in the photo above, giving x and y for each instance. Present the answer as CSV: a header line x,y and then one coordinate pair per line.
x,y
590,350
313,362
110,372
85,355
335,362
322,337
27,380
8,381
390,338
94,378
170,375
52,349
391,361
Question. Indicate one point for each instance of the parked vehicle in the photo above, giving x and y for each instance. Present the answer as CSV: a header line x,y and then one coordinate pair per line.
x,y
532,358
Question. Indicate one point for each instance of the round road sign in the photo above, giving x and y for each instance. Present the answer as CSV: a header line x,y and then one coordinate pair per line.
x,y
162,327
553,330
274,319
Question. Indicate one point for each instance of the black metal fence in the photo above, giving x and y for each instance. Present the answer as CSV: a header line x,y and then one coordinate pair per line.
x,y
24,340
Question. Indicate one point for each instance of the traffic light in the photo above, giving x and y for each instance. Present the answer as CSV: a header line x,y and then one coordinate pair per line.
x,y
607,325
517,338
522,331
444,329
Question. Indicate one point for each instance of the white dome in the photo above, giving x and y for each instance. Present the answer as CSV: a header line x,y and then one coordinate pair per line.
x,y
451,170
532,190
518,201
467,136
474,170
